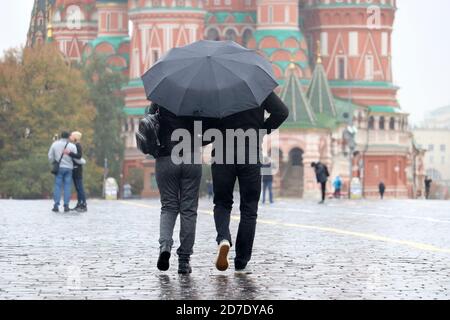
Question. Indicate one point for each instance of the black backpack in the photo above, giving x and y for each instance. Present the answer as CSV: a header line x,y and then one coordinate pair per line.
x,y
147,136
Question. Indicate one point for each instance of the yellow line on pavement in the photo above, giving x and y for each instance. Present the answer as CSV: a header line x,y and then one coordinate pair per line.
x,y
368,236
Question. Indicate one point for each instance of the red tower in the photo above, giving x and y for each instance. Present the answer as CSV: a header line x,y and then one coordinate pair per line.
x,y
74,24
112,40
355,41
279,37
112,18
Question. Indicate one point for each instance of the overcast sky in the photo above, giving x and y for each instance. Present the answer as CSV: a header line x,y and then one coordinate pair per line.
x,y
420,57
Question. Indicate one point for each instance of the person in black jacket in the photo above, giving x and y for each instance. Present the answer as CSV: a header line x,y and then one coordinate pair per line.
x,y
322,175
382,189
179,186
248,174
428,182
77,175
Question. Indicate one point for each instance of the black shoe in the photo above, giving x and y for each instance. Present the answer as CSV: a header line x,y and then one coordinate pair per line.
x,y
77,207
184,267
163,261
55,209
66,209
82,208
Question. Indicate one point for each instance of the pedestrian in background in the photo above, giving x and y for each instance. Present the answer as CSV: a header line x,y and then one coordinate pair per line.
x,y
322,176
382,189
267,179
77,174
428,182
63,175
337,184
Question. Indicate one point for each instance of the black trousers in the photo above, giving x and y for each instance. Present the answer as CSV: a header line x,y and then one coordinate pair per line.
x,y
249,178
323,188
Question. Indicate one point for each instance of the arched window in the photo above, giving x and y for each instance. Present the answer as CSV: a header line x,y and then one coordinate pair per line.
x,y
108,21
392,123
371,123
296,157
382,123
231,35
57,17
246,37
213,35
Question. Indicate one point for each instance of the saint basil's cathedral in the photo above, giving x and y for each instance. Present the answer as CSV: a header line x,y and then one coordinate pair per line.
x,y
332,59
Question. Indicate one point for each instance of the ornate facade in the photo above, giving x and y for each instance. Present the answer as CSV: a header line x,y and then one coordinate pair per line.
x,y
332,59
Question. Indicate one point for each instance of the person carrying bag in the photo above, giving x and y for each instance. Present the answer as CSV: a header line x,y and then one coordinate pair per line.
x,y
56,164
62,169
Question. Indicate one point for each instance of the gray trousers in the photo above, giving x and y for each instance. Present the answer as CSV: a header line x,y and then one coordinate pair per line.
x,y
179,187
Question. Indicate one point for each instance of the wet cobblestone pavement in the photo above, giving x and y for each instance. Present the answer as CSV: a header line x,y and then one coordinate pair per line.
x,y
343,250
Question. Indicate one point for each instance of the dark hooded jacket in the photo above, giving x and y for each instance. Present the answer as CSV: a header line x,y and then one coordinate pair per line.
x,y
322,173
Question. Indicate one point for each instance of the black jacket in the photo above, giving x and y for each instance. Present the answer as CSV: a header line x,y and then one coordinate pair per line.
x,y
322,173
169,122
77,168
255,119
251,119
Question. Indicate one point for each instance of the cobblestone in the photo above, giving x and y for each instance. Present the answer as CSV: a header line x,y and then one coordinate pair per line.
x,y
343,250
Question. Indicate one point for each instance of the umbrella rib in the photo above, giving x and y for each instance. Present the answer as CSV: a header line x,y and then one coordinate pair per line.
x,y
245,81
187,88
250,64
215,79
224,67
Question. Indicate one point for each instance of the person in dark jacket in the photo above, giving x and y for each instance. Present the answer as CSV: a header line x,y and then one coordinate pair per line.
x,y
179,186
382,189
77,175
428,183
322,175
248,175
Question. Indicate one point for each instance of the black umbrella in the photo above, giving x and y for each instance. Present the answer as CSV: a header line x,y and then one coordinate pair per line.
x,y
211,79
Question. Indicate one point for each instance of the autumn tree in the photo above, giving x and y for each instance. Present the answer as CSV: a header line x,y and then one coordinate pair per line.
x,y
40,96
104,87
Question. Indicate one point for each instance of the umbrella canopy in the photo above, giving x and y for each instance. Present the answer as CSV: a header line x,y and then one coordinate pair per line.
x,y
211,79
